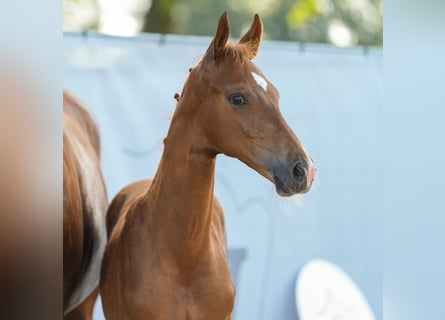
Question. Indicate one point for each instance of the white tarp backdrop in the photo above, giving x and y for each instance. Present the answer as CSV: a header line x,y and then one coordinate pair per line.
x,y
331,98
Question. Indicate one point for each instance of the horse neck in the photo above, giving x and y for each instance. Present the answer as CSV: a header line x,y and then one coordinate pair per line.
x,y
182,192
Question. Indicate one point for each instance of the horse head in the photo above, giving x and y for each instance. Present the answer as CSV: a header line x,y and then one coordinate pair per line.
x,y
235,110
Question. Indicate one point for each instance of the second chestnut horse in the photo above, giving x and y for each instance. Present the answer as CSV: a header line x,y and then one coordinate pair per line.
x,y
84,207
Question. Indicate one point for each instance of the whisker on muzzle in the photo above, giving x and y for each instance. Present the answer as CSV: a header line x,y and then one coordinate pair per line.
x,y
288,205
316,183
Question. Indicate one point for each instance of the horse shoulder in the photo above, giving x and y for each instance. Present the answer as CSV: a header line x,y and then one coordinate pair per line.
x,y
120,231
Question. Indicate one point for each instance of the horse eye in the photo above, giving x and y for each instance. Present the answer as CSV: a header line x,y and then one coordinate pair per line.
x,y
237,99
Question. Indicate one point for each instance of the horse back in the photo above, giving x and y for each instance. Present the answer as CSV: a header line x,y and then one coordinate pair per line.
x,y
120,203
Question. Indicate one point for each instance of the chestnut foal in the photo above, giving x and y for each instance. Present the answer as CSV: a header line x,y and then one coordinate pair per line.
x,y
167,256
84,208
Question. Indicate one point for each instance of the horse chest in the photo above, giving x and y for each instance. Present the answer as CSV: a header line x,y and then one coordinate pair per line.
x,y
212,299
163,290
206,298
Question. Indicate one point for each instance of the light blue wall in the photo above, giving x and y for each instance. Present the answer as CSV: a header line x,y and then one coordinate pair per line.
x,y
332,98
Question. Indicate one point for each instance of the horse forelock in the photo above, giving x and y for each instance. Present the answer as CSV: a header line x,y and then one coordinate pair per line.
x,y
237,52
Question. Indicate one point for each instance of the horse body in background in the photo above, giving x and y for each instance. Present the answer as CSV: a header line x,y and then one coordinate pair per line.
x,y
166,257
84,209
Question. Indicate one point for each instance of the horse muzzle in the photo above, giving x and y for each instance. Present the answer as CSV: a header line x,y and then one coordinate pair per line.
x,y
294,179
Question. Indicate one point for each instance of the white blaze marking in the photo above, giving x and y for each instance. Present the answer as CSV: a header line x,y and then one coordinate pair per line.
x,y
96,201
260,80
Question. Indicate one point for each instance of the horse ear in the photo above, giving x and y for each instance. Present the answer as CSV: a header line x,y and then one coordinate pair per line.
x,y
253,37
219,42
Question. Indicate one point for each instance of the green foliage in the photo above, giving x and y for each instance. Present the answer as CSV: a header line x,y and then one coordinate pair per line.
x,y
342,22
356,22
302,12
159,17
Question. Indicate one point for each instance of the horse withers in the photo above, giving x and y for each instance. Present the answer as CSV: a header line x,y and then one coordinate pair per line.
x,y
167,256
84,208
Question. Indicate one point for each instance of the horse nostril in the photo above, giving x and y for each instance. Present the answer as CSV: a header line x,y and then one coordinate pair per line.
x,y
300,171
